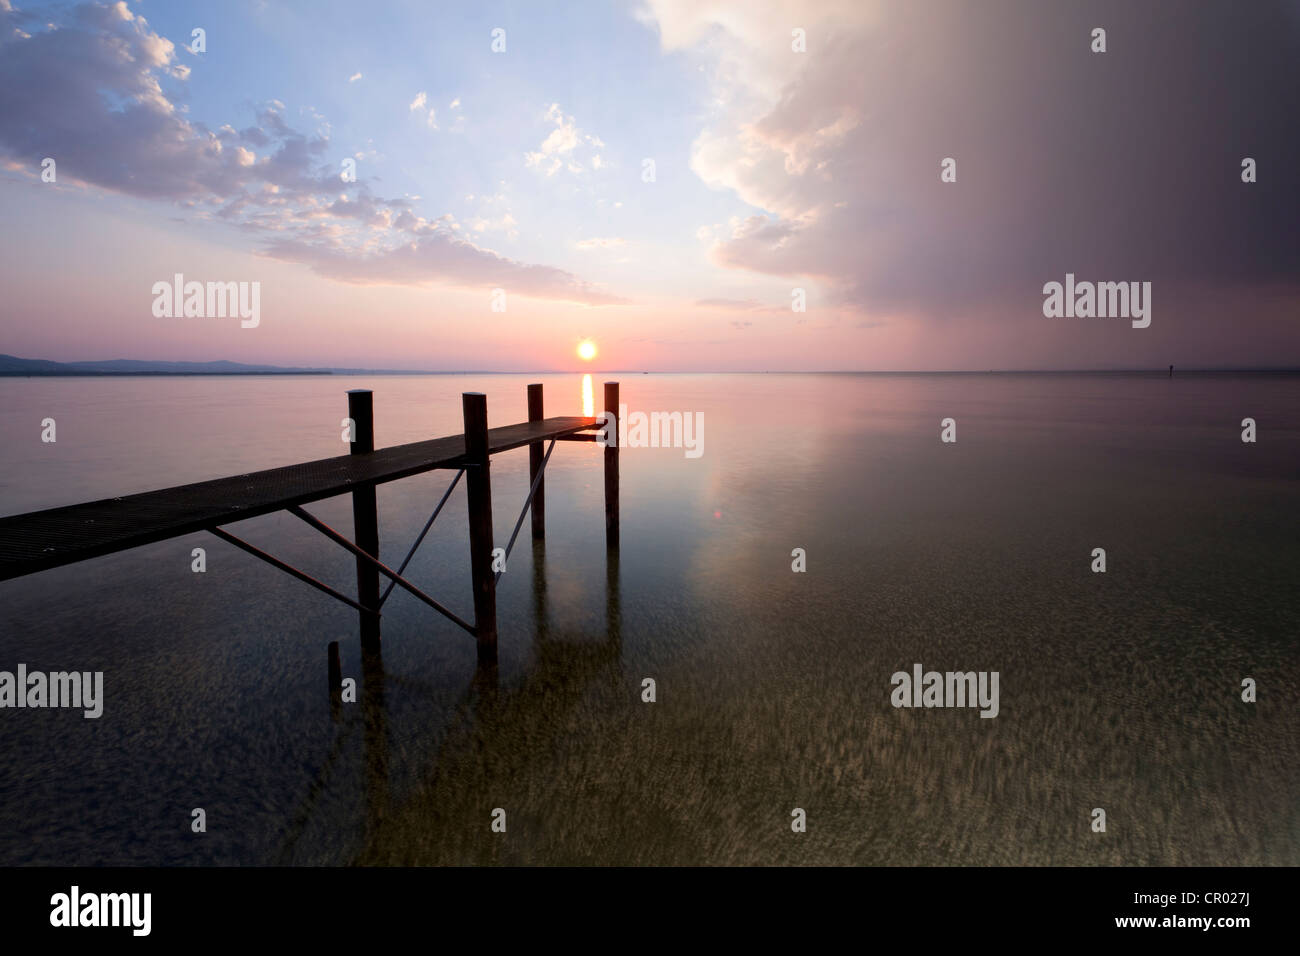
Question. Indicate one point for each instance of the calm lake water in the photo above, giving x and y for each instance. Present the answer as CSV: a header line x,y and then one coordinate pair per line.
x,y
1119,690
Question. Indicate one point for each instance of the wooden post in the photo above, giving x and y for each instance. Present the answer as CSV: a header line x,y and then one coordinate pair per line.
x,y
611,466
336,668
478,493
365,516
535,456
336,682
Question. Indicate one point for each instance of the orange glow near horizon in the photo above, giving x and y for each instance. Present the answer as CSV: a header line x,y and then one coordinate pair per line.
x,y
586,350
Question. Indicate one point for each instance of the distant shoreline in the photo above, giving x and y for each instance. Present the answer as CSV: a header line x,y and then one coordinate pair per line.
x,y
76,373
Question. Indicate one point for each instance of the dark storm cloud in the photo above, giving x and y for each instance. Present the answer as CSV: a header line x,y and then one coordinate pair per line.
x,y
1117,165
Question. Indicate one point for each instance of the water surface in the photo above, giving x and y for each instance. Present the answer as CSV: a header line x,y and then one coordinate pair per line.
x,y
1118,690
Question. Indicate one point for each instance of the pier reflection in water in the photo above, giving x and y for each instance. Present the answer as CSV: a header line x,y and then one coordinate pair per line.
x,y
495,740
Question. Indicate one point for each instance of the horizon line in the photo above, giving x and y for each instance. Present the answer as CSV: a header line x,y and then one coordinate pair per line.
x,y
79,368
342,372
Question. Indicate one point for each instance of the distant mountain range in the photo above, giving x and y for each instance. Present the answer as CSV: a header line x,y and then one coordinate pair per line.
x,y
12,365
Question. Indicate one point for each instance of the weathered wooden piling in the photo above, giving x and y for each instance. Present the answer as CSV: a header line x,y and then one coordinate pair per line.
x,y
535,457
336,668
611,466
478,494
365,516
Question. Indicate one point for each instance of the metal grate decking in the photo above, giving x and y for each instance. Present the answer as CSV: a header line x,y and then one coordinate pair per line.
x,y
40,540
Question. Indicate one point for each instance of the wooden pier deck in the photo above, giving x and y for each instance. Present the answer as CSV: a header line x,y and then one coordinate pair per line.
x,y
40,540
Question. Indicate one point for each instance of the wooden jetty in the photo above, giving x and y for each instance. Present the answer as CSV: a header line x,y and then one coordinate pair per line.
x,y
40,540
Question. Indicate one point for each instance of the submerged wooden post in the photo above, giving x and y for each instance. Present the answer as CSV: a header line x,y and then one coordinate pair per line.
x,y
335,668
478,492
611,465
365,516
336,682
535,457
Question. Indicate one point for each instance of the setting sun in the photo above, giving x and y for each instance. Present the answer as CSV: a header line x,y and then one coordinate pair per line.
x,y
587,350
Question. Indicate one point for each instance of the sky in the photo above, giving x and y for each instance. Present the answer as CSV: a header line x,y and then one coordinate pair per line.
x,y
691,184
